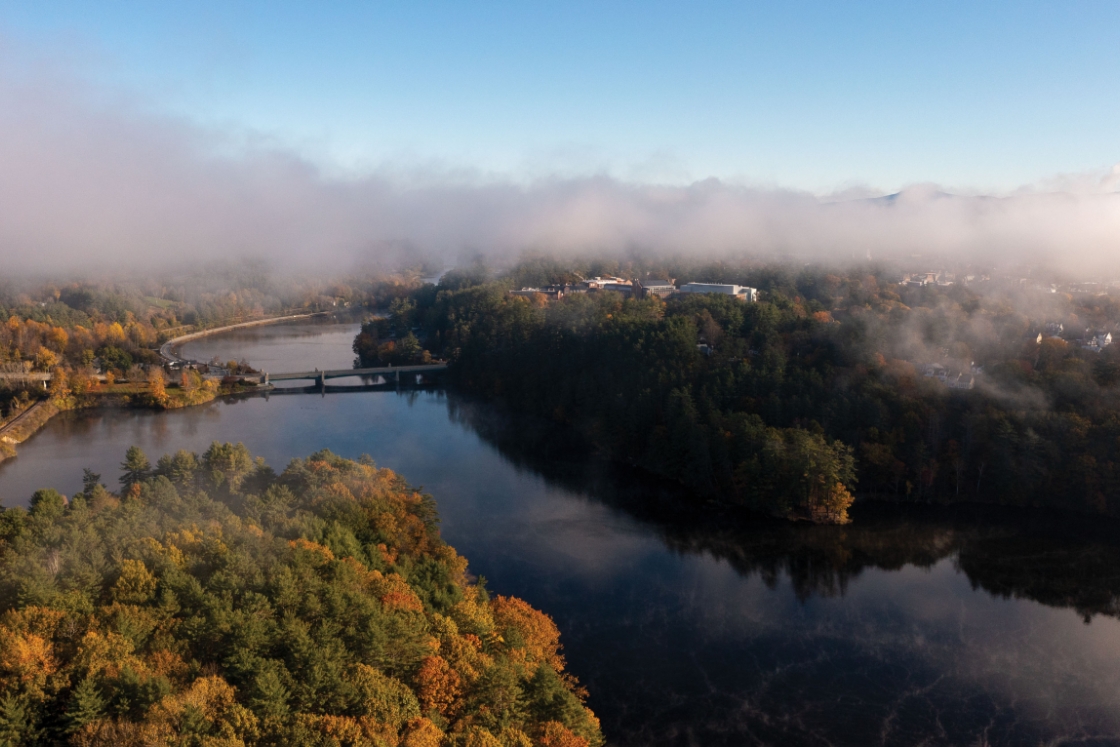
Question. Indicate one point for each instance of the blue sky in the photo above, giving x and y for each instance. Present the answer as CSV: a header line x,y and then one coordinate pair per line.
x,y
813,96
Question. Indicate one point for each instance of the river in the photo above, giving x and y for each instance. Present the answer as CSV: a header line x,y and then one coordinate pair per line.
x,y
695,626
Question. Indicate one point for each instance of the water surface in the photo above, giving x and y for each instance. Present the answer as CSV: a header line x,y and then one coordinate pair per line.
x,y
689,625
322,342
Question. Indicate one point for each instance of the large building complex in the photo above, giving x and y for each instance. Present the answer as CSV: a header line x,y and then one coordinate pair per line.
x,y
638,289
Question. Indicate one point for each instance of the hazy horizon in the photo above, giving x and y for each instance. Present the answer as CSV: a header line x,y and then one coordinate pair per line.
x,y
117,150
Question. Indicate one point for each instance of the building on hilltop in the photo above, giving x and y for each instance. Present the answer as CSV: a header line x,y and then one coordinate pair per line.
x,y
742,292
608,283
649,287
551,292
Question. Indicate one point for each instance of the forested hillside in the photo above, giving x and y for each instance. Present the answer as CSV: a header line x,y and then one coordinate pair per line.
x,y
817,390
214,602
120,322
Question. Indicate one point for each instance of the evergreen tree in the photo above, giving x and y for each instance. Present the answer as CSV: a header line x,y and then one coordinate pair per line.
x,y
47,503
90,480
86,705
135,468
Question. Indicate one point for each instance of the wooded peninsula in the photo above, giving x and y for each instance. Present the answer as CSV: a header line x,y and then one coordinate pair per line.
x,y
830,384
211,601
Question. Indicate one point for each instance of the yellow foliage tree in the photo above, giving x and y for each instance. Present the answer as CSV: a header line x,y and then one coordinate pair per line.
x,y
157,386
422,733
60,384
45,359
57,338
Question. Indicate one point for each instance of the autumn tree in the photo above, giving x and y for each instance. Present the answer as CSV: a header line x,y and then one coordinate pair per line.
x,y
157,387
60,384
318,606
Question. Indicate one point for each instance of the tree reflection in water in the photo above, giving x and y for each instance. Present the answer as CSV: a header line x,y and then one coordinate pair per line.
x,y
1062,560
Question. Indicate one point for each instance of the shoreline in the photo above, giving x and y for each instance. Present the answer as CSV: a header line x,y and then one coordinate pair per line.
x,y
25,425
34,418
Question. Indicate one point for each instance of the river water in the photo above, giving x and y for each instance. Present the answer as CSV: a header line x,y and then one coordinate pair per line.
x,y
691,625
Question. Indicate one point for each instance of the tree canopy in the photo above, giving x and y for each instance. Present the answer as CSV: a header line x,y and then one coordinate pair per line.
x,y
214,602
834,380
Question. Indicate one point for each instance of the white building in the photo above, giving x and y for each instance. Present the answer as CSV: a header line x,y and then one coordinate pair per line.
x,y
1099,343
742,292
961,381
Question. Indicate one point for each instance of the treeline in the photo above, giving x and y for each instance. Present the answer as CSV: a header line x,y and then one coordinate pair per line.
x,y
211,601
784,404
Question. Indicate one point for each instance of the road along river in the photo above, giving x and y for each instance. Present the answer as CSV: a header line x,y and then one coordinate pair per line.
x,y
690,626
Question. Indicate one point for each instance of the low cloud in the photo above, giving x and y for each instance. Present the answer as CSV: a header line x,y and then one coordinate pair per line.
x,y
93,180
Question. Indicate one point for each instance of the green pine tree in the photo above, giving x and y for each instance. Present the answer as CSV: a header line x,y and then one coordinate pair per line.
x,y
90,480
135,467
86,705
16,726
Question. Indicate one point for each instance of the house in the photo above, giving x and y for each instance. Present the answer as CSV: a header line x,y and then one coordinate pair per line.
x,y
742,292
935,370
953,380
961,381
1098,343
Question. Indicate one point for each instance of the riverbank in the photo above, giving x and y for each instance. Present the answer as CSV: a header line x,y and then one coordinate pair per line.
x,y
24,425
127,395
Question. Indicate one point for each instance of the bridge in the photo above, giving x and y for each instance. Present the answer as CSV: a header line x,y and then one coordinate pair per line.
x,y
387,373
398,375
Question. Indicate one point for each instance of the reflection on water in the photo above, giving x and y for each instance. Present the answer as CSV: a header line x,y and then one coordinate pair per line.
x,y
1062,560
915,625
691,625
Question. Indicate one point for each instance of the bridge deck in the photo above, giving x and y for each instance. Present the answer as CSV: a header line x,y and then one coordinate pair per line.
x,y
345,372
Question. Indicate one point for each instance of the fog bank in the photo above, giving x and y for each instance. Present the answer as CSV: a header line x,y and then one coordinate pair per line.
x,y
90,179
